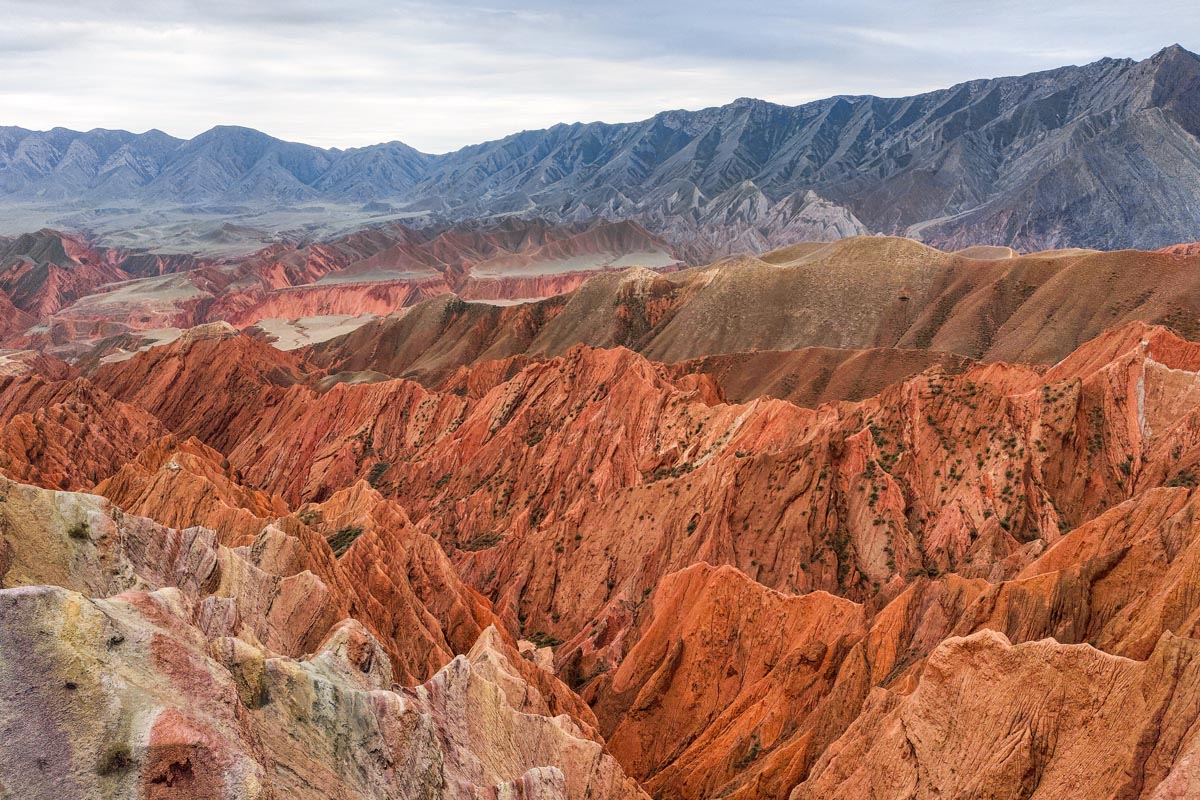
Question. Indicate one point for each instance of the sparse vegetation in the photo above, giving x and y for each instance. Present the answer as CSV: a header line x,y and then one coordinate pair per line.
x,y
751,753
377,471
542,639
1096,423
115,759
1185,478
341,541
483,541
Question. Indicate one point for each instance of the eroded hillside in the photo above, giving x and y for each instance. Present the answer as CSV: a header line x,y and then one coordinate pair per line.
x,y
938,549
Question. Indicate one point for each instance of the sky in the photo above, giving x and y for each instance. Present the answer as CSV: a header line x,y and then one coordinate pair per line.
x,y
441,75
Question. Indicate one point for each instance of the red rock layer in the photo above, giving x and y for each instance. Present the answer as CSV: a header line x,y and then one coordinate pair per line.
x,y
1185,249
12,319
813,376
970,472
725,671
195,670
30,380
379,297
75,439
1037,720
624,511
432,340
183,482
43,272
818,720
83,294
211,388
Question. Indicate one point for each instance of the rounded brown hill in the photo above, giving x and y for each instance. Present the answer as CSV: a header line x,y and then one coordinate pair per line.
x,y
855,294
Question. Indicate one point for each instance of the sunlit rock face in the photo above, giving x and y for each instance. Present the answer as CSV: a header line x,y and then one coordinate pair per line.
x,y
163,664
611,544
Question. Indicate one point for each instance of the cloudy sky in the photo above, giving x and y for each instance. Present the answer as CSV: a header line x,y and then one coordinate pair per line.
x,y
439,75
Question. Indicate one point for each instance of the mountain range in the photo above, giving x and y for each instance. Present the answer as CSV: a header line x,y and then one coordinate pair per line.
x,y
1104,155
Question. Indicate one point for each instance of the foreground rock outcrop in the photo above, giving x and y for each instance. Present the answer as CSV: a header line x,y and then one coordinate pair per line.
x,y
130,698
1035,720
145,661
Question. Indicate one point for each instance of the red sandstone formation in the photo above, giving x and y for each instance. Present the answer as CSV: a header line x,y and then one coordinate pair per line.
x,y
82,294
30,380
945,577
942,472
74,440
1035,720
210,672
13,320
212,388
721,683
1184,249
43,272
183,482
816,375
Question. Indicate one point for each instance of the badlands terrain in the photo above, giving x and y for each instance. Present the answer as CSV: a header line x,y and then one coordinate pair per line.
x,y
533,509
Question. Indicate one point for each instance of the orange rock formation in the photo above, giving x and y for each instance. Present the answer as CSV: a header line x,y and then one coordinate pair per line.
x,y
484,551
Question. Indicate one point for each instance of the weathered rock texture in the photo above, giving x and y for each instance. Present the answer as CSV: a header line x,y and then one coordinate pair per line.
x,y
596,573
208,672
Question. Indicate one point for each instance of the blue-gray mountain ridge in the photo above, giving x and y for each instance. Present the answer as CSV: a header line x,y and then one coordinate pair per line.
x,y
1105,155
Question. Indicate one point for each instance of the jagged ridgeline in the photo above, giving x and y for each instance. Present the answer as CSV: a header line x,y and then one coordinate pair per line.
x,y
1104,155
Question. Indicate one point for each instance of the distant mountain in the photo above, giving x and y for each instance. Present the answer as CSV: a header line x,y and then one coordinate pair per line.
x,y
1105,155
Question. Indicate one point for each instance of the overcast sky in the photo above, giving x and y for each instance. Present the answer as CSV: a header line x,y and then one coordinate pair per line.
x,y
439,75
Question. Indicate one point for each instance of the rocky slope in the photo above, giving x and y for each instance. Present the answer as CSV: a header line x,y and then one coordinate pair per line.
x,y
1103,155
917,303
591,572
43,272
184,669
390,301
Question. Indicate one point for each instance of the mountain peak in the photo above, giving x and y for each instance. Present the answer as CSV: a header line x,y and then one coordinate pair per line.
x,y
1173,57
1175,51
860,152
231,130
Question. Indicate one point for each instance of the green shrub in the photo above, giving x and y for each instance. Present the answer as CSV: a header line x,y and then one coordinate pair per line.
x,y
341,541
750,754
1186,479
117,758
542,639
376,473
482,542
